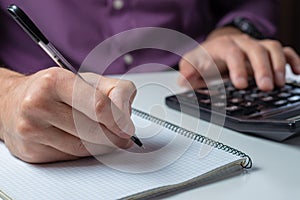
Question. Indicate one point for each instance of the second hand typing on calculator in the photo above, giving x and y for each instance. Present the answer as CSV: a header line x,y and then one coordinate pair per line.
x,y
273,114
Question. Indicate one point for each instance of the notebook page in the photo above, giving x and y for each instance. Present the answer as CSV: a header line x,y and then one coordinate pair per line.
x,y
168,159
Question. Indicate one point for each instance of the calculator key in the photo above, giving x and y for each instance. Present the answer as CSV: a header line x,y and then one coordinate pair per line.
x,y
219,105
294,99
234,110
249,107
249,98
268,99
203,91
238,93
190,94
285,88
230,89
206,92
273,92
296,91
239,110
254,96
284,95
242,92
280,103
204,102
262,94
236,100
222,96
249,102
187,97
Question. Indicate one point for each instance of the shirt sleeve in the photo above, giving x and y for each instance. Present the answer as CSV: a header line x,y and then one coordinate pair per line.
x,y
263,14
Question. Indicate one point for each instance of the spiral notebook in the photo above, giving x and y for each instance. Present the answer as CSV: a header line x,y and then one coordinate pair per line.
x,y
172,161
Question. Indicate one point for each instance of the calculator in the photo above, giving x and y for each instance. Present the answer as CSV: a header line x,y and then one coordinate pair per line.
x,y
273,114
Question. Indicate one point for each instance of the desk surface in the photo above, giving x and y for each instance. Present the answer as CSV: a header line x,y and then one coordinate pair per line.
x,y
275,165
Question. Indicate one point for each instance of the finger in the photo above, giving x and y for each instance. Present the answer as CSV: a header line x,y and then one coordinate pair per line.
x,y
125,90
188,73
258,56
46,154
236,63
38,153
93,103
230,58
194,67
278,60
75,146
122,93
75,123
293,59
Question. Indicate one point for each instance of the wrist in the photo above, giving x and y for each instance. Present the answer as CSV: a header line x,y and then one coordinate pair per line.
x,y
246,26
8,81
239,25
223,31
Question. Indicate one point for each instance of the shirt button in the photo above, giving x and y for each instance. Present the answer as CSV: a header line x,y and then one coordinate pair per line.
x,y
118,4
128,59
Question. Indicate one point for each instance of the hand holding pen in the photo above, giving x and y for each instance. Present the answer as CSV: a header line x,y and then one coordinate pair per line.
x,y
40,116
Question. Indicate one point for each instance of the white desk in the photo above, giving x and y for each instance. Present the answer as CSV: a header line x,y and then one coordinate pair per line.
x,y
275,173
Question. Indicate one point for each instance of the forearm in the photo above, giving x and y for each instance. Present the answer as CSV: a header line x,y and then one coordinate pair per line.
x,y
8,80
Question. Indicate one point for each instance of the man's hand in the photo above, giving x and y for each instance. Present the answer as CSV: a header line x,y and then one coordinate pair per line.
x,y
240,56
53,115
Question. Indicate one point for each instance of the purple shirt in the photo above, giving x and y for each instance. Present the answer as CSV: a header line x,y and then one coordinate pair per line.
x,y
76,27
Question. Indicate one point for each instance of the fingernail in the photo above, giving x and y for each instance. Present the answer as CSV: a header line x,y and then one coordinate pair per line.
x,y
241,82
266,83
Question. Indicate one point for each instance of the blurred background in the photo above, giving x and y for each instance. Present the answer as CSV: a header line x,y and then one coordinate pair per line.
x,y
289,28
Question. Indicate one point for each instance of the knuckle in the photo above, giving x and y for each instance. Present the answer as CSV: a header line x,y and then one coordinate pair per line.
x,y
288,49
25,130
259,49
125,85
101,103
33,103
130,85
48,80
28,104
37,96
274,44
234,50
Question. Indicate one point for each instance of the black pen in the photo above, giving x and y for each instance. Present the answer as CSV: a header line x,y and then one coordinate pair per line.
x,y
33,31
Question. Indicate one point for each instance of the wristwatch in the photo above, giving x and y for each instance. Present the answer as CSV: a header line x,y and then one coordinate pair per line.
x,y
247,27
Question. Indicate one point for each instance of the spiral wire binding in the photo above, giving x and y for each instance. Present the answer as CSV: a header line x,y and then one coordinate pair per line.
x,y
246,164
